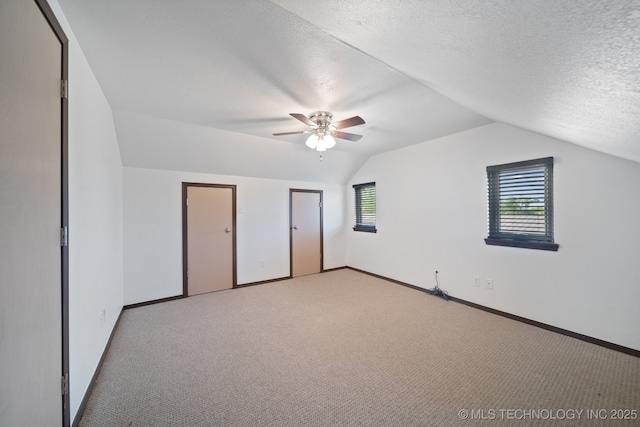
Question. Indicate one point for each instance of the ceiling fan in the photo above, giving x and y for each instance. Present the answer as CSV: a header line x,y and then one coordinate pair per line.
x,y
323,131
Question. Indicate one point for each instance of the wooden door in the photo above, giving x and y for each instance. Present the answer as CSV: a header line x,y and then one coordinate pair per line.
x,y
305,232
31,216
210,236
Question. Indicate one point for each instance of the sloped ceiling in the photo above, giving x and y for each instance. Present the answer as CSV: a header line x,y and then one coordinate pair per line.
x,y
201,85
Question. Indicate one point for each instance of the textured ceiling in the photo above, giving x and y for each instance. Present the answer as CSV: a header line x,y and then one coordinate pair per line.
x,y
415,70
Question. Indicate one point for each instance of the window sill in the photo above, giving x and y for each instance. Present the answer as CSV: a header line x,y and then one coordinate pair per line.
x,y
365,229
527,245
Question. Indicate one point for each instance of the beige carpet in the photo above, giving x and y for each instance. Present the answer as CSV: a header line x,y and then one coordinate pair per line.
x,y
346,349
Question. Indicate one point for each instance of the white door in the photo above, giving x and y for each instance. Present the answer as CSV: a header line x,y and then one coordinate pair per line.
x,y
30,218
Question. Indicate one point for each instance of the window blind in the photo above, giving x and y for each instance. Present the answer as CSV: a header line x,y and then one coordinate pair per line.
x,y
521,201
365,207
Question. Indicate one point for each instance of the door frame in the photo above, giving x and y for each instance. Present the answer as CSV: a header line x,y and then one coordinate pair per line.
x,y
185,254
51,19
301,190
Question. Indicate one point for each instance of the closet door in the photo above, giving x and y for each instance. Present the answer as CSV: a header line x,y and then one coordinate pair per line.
x,y
210,231
306,232
30,217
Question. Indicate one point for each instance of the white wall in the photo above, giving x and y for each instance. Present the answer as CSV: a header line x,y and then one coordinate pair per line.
x,y
153,229
432,215
95,219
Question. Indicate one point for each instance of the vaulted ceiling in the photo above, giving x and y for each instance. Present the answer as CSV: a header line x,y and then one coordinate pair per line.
x,y
201,85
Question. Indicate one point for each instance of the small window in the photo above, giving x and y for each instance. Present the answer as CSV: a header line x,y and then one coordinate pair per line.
x,y
365,207
521,204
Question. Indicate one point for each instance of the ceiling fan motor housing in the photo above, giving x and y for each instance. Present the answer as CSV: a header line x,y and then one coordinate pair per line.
x,y
322,120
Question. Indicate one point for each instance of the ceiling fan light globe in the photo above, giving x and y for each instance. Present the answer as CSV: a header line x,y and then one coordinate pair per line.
x,y
312,141
329,142
321,145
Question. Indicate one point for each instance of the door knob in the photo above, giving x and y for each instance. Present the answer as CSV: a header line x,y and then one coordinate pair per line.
x,y
295,227
227,230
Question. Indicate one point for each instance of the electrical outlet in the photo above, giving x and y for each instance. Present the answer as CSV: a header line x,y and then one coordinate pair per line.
x,y
263,263
103,316
476,281
489,283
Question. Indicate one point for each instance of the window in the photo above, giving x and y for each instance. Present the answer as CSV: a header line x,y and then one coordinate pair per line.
x,y
365,208
521,204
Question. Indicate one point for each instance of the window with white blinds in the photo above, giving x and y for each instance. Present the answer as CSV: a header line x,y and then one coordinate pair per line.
x,y
365,207
521,204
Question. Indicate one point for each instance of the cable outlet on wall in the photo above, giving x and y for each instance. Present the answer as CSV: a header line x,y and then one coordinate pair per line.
x,y
103,316
476,281
489,283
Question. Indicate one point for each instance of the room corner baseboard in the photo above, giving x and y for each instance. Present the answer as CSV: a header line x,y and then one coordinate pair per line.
x,y
262,282
586,338
328,270
397,282
155,301
87,393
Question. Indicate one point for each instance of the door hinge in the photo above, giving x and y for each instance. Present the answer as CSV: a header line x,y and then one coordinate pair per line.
x,y
65,384
64,89
187,202
319,204
64,236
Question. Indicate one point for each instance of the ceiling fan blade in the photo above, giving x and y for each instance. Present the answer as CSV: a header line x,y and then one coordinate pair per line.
x,y
353,121
345,135
290,133
304,119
